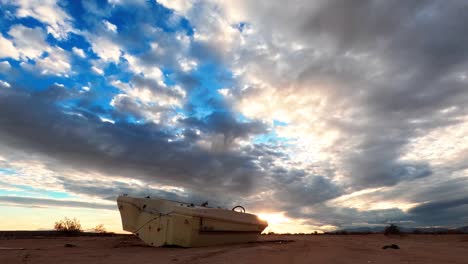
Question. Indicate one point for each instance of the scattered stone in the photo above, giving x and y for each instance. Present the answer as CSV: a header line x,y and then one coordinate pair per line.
x,y
392,246
69,245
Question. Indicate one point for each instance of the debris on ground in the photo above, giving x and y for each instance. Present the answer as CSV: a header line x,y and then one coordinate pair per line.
x,y
69,245
392,246
9,248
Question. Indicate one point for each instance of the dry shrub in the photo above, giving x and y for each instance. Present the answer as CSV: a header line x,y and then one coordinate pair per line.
x,y
99,229
68,226
392,230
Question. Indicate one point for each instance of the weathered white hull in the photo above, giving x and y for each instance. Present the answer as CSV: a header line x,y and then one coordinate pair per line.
x,y
161,222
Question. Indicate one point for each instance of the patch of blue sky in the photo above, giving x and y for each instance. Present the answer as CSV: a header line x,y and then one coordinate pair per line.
x,y
206,99
7,13
7,171
76,10
132,119
24,190
100,92
34,82
168,21
167,77
130,17
19,190
58,195
4,192
73,40
271,138
241,26
241,117
279,123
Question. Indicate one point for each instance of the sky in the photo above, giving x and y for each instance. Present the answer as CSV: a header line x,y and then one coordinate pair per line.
x,y
316,115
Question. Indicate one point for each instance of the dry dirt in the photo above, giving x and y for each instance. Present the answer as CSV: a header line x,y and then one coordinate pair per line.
x,y
303,249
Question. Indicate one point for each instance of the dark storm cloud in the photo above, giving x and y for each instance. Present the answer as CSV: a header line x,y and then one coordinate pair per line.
x,y
396,67
344,217
110,191
30,201
438,206
225,123
32,122
422,47
452,212
306,191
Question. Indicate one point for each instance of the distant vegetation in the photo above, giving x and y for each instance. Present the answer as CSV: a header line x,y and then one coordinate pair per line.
x,y
68,226
392,230
100,229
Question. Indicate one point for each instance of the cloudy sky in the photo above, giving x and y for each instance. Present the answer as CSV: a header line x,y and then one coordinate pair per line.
x,y
316,114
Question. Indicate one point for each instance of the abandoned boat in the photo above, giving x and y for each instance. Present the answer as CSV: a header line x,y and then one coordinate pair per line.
x,y
160,222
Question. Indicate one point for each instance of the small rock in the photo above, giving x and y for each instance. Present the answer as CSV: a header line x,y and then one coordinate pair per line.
x,y
69,245
392,246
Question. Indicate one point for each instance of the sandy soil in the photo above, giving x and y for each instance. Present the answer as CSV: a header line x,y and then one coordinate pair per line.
x,y
304,249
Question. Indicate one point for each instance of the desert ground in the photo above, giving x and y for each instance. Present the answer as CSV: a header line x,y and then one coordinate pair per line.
x,y
270,249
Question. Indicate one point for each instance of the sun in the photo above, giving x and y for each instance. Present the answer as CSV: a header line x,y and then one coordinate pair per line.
x,y
273,218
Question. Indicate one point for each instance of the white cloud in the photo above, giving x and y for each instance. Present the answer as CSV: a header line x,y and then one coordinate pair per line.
x,y
180,6
148,94
145,99
109,26
56,63
149,71
107,120
4,84
85,88
79,52
29,42
187,65
48,12
5,66
97,70
7,49
105,48
224,91
445,146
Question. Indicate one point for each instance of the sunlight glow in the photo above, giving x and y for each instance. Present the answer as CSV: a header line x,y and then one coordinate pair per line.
x,y
274,218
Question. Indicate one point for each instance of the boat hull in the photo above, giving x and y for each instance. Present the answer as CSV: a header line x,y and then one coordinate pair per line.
x,y
161,222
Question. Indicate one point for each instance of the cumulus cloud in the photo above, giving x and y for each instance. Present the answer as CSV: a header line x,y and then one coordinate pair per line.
x,y
58,22
97,70
29,42
57,62
109,26
4,84
105,48
79,52
7,49
5,66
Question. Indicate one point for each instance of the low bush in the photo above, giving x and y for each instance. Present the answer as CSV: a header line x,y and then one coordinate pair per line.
x,y
392,230
68,226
